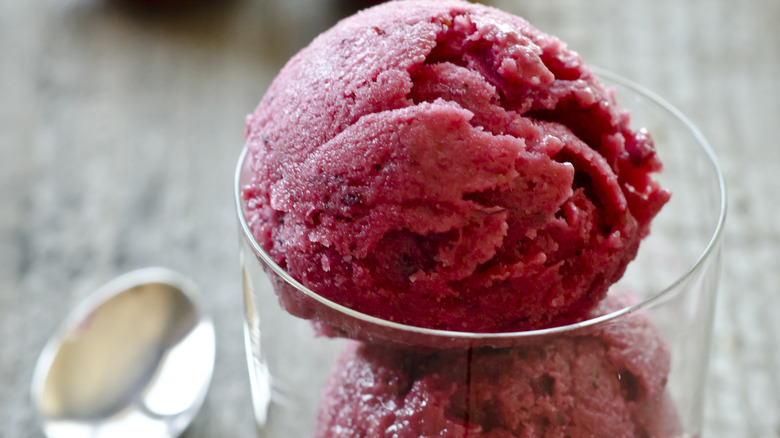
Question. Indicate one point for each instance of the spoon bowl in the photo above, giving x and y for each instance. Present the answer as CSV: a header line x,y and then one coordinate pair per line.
x,y
134,359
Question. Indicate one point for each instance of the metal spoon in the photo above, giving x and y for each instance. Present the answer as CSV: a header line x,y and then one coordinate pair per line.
x,y
135,359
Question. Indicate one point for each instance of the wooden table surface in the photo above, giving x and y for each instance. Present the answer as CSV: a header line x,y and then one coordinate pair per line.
x,y
119,130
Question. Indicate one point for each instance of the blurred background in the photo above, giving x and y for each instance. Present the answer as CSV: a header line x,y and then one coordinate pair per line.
x,y
120,126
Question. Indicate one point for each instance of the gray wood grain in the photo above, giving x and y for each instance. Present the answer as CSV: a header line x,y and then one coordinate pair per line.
x,y
120,128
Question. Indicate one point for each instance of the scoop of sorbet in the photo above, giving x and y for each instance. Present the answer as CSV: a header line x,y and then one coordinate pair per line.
x,y
608,382
446,165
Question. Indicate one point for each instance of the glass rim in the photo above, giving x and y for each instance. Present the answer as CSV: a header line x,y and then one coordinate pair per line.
x,y
648,302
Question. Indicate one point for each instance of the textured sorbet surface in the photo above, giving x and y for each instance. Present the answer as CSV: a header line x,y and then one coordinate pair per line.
x,y
607,384
446,165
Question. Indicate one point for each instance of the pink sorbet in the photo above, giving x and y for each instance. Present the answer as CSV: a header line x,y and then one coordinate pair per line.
x,y
608,383
446,165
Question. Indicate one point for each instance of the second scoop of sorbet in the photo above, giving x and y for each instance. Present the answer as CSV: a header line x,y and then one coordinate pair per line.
x,y
446,165
609,383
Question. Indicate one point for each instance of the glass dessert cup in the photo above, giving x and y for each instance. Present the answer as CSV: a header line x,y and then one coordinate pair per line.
x,y
639,363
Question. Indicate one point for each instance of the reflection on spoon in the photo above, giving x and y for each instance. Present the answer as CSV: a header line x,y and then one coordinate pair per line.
x,y
135,359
